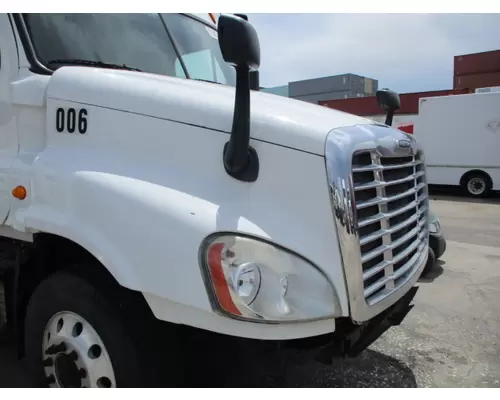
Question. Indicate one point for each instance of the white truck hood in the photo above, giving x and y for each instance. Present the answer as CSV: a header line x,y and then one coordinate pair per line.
x,y
275,119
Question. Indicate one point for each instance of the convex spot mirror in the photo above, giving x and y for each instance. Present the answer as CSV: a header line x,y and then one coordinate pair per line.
x,y
238,41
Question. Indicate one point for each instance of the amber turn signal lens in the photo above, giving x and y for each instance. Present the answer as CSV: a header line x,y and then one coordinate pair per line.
x,y
19,192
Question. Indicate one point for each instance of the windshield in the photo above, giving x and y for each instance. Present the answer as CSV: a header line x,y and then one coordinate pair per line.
x,y
135,40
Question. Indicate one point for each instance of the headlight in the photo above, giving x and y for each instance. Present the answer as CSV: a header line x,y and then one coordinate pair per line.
x,y
255,280
434,227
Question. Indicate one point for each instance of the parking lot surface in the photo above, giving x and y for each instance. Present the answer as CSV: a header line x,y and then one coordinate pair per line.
x,y
450,339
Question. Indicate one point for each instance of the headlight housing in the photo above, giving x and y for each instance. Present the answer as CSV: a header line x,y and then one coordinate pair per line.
x,y
255,280
434,226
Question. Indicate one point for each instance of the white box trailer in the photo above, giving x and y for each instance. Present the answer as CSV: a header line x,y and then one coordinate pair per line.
x,y
461,138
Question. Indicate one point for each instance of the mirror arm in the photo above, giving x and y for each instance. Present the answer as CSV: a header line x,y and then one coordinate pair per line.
x,y
241,161
389,117
254,81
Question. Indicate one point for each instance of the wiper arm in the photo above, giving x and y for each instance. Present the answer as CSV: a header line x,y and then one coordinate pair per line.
x,y
90,63
206,80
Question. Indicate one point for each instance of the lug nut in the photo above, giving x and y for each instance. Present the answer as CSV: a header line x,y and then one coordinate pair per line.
x,y
54,349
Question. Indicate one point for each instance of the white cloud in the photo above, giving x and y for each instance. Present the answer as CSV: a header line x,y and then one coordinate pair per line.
x,y
406,52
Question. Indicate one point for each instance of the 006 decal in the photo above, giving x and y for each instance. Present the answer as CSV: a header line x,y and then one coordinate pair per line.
x,y
71,120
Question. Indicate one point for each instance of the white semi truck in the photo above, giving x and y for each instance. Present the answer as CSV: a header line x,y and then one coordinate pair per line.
x,y
141,205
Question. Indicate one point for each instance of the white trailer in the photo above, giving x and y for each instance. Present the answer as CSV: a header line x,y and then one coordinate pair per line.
x,y
461,138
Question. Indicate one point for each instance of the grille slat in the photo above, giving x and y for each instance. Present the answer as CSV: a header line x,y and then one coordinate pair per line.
x,y
378,234
375,167
381,216
379,200
400,272
379,267
380,250
391,216
376,183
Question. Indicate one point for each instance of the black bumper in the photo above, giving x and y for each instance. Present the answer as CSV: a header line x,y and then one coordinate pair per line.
x,y
349,340
437,243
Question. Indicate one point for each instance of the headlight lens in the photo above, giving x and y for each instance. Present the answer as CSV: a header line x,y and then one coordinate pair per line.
x,y
434,227
256,280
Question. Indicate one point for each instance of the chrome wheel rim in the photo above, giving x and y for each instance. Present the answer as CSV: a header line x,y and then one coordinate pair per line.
x,y
476,186
74,354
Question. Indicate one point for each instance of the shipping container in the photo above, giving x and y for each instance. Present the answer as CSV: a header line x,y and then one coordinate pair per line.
x,y
477,80
397,122
488,89
357,85
477,63
339,83
317,97
368,105
358,106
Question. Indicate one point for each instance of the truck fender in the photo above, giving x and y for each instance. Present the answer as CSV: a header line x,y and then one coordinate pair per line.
x,y
148,239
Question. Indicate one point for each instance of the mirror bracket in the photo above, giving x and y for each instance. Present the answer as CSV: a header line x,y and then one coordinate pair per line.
x,y
240,48
389,117
241,161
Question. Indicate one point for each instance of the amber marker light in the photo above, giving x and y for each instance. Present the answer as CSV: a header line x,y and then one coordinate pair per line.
x,y
19,192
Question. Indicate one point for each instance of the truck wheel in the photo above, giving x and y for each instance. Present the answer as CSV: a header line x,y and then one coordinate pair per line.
x,y
477,184
77,336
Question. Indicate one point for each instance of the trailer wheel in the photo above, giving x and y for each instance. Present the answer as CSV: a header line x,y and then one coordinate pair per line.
x,y
77,335
477,184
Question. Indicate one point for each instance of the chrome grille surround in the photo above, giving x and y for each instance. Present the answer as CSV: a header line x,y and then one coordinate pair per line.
x,y
380,265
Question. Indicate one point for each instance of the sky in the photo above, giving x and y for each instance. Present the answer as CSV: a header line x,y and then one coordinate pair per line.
x,y
405,52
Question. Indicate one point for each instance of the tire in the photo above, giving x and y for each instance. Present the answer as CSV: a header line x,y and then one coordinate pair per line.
x,y
119,338
477,185
431,262
3,310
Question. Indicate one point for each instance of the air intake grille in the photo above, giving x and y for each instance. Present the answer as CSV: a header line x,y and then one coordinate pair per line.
x,y
391,214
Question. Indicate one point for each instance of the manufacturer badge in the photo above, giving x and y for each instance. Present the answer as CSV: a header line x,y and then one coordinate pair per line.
x,y
403,146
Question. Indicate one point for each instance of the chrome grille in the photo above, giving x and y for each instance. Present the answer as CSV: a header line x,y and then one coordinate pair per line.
x,y
390,197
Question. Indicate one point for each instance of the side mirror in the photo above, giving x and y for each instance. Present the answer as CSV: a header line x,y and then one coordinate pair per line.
x,y
388,100
238,41
240,48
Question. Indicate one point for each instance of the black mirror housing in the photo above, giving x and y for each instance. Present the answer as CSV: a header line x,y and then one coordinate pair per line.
x,y
238,42
388,100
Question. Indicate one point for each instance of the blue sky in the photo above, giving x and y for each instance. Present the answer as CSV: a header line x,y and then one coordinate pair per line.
x,y
406,52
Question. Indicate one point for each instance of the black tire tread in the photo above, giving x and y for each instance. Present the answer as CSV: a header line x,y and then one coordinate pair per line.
x,y
487,181
130,333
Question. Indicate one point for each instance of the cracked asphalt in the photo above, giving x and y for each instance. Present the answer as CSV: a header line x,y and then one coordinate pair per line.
x,y
450,339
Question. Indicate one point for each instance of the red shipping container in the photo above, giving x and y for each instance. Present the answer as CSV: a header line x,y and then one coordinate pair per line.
x,y
477,63
368,105
477,80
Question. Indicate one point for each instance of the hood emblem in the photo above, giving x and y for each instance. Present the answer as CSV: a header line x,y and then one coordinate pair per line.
x,y
404,146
